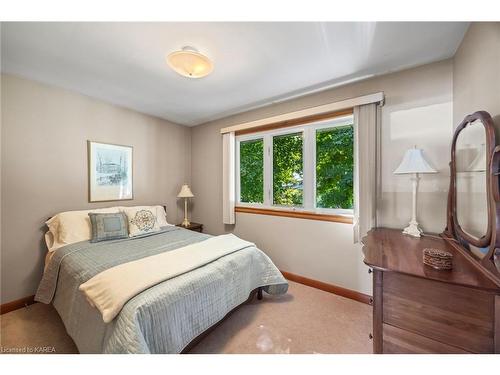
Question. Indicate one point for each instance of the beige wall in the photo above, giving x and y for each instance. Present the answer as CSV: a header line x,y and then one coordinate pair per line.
x,y
476,72
418,111
44,167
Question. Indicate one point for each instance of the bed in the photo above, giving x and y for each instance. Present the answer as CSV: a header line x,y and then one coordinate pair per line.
x,y
165,318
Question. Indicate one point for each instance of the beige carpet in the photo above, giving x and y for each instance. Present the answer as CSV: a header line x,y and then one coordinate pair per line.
x,y
306,320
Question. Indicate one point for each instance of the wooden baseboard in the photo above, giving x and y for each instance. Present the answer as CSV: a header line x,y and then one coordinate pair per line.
x,y
347,293
17,304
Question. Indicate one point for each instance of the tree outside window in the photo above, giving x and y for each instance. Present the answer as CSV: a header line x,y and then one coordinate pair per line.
x,y
333,160
252,171
334,167
288,174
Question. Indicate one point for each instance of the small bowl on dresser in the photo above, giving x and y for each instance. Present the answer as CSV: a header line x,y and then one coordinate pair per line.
x,y
438,259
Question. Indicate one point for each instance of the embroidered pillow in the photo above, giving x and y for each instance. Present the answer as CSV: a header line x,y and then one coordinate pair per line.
x,y
108,226
141,220
158,211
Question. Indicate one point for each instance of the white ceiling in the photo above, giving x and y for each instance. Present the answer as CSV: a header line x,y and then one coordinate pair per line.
x,y
255,63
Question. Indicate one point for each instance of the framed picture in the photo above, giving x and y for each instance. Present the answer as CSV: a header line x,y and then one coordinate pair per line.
x,y
110,172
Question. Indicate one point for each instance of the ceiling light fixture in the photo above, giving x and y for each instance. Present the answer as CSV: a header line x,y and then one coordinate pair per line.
x,y
188,62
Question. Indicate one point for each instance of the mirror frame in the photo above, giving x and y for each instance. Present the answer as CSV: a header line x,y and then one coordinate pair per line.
x,y
489,129
453,233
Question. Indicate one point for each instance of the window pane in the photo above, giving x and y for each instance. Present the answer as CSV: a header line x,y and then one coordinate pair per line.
x,y
287,170
334,167
252,171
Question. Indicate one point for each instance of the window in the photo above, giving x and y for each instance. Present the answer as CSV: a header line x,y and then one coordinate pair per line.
x,y
304,168
288,168
334,167
252,171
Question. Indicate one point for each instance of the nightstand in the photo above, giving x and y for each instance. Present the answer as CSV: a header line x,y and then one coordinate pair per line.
x,y
197,227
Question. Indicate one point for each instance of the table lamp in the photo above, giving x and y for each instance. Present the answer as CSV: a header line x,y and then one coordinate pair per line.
x,y
414,163
185,193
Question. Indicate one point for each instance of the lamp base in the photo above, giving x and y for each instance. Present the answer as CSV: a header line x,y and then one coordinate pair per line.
x,y
413,229
185,222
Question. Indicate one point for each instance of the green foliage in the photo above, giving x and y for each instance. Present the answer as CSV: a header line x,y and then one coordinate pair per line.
x,y
252,171
288,170
334,167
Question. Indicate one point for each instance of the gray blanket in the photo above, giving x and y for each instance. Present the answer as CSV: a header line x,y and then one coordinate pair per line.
x,y
164,318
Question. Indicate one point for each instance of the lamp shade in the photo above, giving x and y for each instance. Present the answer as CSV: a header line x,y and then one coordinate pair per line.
x,y
185,192
414,162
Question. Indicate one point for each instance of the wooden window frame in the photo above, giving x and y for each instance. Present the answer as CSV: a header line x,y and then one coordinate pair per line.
x,y
266,133
299,214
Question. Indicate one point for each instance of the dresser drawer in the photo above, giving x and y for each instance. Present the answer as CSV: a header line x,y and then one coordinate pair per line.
x,y
399,341
458,316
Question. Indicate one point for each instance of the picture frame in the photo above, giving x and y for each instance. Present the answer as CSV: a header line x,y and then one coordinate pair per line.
x,y
110,172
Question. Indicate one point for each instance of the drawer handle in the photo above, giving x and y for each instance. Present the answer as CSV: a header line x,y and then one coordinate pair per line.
x,y
370,270
370,336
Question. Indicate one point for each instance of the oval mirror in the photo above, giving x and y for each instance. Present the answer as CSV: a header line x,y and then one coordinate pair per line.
x,y
473,213
471,184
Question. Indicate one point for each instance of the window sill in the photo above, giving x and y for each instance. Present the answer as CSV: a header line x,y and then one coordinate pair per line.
x,y
346,219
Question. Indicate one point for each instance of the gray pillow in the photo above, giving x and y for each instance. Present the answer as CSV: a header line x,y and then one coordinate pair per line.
x,y
108,226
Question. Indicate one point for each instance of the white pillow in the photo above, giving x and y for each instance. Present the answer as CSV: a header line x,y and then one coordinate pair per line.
x,y
158,211
49,240
143,219
71,226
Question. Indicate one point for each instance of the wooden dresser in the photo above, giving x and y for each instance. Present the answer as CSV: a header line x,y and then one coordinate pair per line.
x,y
417,309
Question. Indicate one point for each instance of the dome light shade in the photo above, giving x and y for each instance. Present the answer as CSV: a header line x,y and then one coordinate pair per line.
x,y
188,62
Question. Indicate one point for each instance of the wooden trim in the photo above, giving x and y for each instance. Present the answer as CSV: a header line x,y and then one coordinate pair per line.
x,y
296,121
296,214
377,97
496,331
17,304
347,293
378,300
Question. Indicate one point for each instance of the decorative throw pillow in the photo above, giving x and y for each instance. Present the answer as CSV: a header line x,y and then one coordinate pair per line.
x,y
158,211
141,220
108,226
